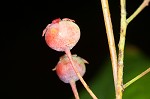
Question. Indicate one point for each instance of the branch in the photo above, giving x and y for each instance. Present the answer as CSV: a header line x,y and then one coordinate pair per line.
x,y
136,78
123,27
110,37
140,8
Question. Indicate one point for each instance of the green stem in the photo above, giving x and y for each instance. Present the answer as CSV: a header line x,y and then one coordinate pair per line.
x,y
123,27
136,78
140,8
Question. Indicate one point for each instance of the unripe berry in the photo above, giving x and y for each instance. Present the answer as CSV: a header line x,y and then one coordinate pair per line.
x,y
62,34
65,70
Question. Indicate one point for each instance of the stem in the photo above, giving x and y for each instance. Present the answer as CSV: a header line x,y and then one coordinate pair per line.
x,y
123,27
140,8
78,74
74,89
136,78
110,37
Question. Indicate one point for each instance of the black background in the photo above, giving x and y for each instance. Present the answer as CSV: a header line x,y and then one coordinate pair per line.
x,y
27,61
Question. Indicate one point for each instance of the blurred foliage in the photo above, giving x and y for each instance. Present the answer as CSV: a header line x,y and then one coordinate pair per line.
x,y
135,62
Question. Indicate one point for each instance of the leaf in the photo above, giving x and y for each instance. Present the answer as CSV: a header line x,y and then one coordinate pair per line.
x,y
135,62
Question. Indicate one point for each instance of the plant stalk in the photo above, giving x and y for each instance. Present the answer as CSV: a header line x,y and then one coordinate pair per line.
x,y
140,8
74,89
136,78
110,37
121,45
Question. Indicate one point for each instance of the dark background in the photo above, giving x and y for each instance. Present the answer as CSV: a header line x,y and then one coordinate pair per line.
x,y
27,61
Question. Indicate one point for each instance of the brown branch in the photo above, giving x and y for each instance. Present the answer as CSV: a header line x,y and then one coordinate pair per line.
x,y
110,37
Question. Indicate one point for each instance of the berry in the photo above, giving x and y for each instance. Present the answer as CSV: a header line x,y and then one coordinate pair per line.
x,y
65,70
62,34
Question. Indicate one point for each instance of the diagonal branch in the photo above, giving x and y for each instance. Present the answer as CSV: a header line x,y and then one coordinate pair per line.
x,y
140,8
136,78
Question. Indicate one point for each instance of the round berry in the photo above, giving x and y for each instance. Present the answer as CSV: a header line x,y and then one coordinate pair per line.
x,y
62,34
65,70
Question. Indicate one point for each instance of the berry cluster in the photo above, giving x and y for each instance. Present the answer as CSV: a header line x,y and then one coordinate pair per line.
x,y
63,35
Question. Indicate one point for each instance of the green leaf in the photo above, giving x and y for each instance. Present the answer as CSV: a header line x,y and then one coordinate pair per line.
x,y
135,62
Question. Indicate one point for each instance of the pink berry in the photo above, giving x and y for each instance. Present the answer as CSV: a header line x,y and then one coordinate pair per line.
x,y
62,34
65,70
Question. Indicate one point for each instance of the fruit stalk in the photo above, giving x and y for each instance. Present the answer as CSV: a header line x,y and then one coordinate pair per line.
x,y
74,89
67,51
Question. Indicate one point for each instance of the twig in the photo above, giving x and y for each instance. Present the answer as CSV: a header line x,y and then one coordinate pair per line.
x,y
123,27
110,37
136,78
140,8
